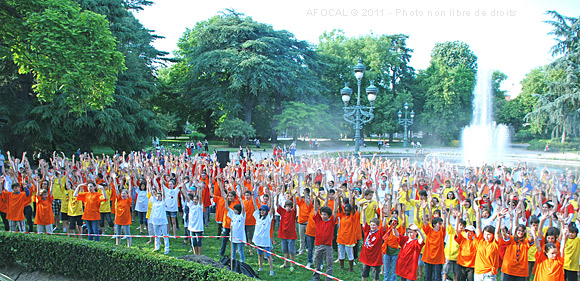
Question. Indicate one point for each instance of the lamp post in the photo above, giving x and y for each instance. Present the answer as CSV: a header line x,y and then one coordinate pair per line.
x,y
358,115
406,122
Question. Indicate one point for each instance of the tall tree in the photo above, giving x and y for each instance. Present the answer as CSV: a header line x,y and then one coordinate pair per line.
x,y
66,50
123,124
559,108
236,65
448,83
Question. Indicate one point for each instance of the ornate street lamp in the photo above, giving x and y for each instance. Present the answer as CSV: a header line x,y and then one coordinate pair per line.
x,y
406,122
358,114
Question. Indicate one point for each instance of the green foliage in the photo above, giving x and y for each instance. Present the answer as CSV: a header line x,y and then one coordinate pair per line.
x,y
169,122
197,136
235,131
123,124
240,68
497,77
69,51
572,145
559,107
98,261
387,60
303,119
453,143
524,135
446,90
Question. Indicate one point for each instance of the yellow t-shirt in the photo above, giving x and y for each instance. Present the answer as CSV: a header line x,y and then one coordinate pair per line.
x,y
75,208
148,215
572,254
58,191
532,251
408,204
451,248
64,204
370,212
106,205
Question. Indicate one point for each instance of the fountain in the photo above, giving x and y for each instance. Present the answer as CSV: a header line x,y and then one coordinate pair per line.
x,y
484,140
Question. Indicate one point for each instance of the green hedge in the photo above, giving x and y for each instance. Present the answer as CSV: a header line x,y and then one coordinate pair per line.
x,y
571,145
83,259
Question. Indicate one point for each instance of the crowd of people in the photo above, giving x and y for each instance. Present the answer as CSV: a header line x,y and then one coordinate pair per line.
x,y
393,217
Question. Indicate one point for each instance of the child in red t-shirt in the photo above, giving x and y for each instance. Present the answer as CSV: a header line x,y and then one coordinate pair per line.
x,y
287,230
325,220
371,255
408,259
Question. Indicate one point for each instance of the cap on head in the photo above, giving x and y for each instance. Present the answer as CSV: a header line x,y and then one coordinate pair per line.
x,y
413,227
265,208
470,228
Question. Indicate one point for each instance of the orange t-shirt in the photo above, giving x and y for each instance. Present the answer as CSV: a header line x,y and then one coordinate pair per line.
x,y
249,208
123,211
548,269
44,214
16,204
391,240
311,226
92,202
3,204
515,259
487,258
303,210
467,251
227,219
434,245
347,230
219,208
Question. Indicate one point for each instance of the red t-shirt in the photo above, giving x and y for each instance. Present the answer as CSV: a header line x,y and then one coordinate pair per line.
x,y
287,228
324,230
371,253
408,259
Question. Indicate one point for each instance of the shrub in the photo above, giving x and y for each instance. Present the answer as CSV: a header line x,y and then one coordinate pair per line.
x,y
572,145
453,143
235,131
83,259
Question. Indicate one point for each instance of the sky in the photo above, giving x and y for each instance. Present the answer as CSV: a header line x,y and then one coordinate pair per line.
x,y
507,35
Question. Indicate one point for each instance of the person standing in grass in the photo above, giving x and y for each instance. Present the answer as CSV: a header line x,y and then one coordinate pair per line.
x,y
44,215
195,219
287,230
371,253
237,216
262,237
324,219
408,259
123,214
92,200
158,216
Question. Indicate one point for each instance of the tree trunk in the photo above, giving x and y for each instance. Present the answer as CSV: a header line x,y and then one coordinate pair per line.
x,y
249,107
277,110
563,134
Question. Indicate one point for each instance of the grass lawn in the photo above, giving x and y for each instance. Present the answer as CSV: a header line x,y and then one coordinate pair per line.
x,y
211,247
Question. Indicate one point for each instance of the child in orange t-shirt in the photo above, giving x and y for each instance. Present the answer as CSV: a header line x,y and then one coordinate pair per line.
x,y
44,215
123,216
550,262
92,200
16,200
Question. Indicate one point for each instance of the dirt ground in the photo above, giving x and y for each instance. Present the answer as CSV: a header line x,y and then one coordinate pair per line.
x,y
21,274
